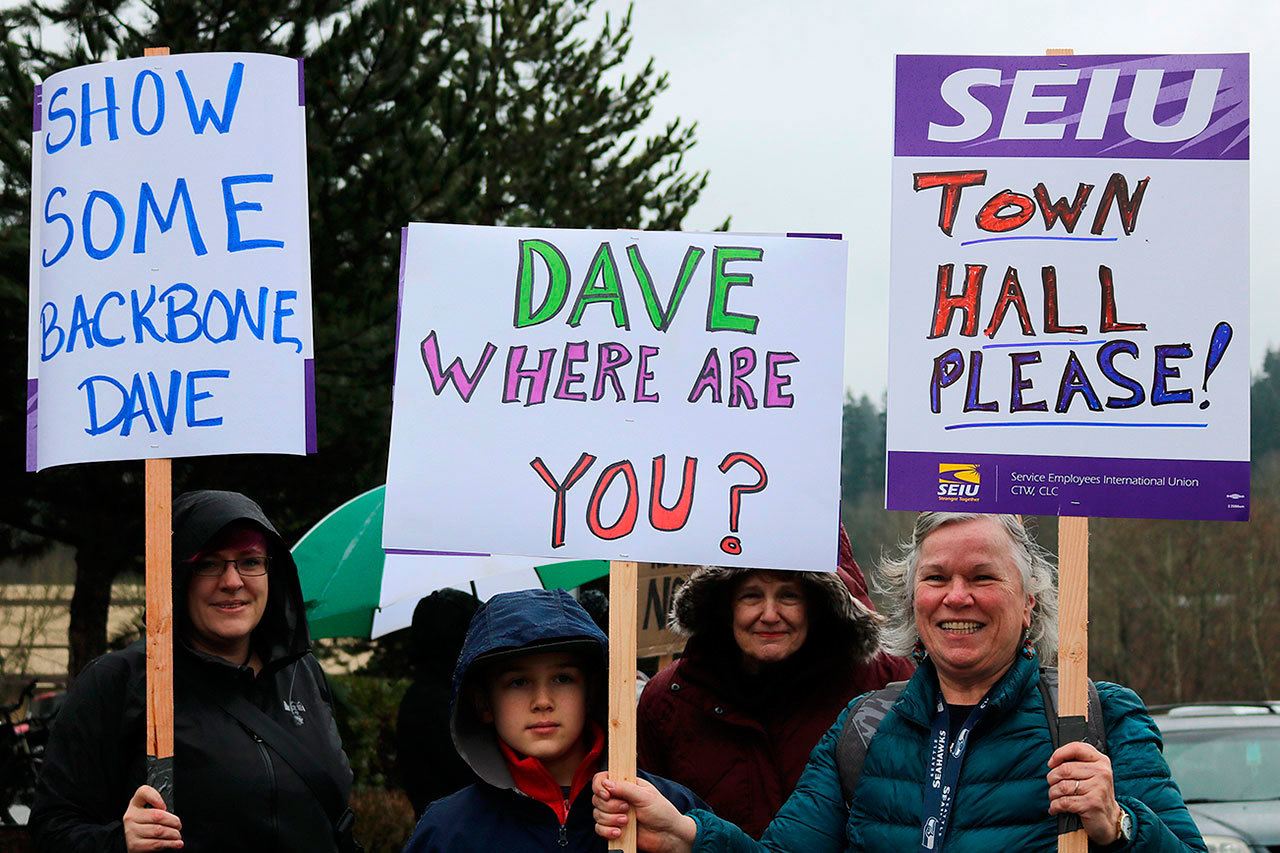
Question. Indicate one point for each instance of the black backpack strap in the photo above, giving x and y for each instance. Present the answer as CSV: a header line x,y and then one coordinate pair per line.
x,y
1069,729
1095,731
322,785
859,728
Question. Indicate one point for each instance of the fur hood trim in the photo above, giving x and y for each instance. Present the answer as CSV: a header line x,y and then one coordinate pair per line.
x,y
702,602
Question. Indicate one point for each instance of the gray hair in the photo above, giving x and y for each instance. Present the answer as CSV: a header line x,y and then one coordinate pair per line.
x,y
1036,565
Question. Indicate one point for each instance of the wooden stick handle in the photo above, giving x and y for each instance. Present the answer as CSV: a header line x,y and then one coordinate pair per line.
x,y
624,580
159,530
1073,637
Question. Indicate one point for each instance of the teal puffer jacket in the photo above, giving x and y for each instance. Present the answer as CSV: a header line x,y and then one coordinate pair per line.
x,y
1003,799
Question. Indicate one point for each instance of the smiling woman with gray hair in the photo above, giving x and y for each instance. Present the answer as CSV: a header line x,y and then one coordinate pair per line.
x,y
962,759
896,582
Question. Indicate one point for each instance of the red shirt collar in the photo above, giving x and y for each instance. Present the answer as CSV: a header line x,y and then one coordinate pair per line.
x,y
534,779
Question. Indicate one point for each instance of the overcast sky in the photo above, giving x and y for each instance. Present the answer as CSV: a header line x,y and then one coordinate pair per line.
x,y
794,106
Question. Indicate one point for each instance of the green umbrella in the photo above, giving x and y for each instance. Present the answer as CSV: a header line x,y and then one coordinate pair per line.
x,y
353,589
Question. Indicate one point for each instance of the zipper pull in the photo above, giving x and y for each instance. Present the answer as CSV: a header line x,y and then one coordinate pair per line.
x,y
564,834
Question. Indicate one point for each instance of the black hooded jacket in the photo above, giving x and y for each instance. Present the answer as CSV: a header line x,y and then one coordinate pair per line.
x,y
232,792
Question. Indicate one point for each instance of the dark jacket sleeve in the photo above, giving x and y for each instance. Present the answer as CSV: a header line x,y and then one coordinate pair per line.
x,y
78,806
1144,785
678,795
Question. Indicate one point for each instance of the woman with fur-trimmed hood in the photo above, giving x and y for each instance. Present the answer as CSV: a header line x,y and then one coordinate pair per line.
x,y
773,657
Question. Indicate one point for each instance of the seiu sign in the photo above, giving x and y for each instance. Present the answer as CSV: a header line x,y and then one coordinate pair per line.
x,y
1187,107
1039,91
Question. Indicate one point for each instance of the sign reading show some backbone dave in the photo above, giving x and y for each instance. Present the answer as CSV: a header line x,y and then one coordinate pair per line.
x,y
170,261
1070,282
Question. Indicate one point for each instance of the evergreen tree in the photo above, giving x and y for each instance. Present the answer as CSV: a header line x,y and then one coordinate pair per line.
x,y
1264,407
506,113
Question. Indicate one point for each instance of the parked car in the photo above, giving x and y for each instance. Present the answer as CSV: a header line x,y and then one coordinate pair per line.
x,y
1226,759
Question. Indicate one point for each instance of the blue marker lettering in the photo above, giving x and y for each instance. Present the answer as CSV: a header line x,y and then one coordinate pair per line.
x,y
234,207
175,311
207,114
49,219
86,225
147,202
280,313
48,325
141,322
166,415
55,115
91,398
194,396
158,86
87,114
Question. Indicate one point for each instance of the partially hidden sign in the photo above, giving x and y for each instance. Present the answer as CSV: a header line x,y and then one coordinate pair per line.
x,y
660,397
1069,311
170,267
658,587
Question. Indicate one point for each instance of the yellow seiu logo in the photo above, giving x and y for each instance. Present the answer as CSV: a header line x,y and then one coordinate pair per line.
x,y
958,481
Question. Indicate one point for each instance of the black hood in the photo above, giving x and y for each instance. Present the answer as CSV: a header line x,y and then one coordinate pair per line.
x,y
281,637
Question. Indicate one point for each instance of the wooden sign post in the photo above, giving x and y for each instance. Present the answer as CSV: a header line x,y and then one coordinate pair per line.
x,y
159,527
1073,648
1073,634
159,567
624,580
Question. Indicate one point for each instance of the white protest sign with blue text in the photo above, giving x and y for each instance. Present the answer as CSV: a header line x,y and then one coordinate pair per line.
x,y
170,267
1070,286
671,398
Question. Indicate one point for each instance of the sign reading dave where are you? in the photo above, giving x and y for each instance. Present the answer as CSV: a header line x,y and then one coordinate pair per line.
x,y
170,267
1070,282
669,398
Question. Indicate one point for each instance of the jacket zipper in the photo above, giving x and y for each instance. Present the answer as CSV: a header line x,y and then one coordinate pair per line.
x,y
564,827
271,780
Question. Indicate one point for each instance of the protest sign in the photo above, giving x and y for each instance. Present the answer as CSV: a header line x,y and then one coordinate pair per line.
x,y
658,587
1069,307
618,395
170,274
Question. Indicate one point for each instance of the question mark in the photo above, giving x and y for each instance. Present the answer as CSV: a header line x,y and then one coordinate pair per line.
x,y
732,544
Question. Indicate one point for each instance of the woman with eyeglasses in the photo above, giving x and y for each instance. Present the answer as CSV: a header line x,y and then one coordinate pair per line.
x,y
258,764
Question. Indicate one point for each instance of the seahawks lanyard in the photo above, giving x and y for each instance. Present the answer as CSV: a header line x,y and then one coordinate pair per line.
x,y
944,774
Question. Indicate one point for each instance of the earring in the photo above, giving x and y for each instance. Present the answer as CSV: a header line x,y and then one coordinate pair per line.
x,y
1028,648
919,653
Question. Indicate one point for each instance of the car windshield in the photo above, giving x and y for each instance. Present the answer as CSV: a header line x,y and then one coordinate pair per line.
x,y
1225,765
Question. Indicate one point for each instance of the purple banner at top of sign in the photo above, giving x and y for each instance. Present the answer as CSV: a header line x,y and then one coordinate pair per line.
x,y
1185,106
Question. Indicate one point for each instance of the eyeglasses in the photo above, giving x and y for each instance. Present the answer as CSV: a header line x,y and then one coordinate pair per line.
x,y
247,567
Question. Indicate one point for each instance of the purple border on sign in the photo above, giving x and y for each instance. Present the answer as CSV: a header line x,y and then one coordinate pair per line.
x,y
1073,485
395,355
919,102
815,235
33,386
302,92
309,374
37,108
432,553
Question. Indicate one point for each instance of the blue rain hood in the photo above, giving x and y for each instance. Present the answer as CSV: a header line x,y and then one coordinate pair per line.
x,y
513,623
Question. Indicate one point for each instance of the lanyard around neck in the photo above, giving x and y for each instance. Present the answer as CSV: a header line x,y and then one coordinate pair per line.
x,y
943,774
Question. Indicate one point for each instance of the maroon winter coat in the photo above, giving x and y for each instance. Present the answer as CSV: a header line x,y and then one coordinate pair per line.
x,y
739,741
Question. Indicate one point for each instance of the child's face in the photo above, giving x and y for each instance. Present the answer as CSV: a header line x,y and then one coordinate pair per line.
x,y
538,705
